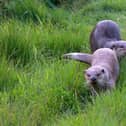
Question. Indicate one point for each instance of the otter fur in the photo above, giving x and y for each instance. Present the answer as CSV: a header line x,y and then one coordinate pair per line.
x,y
104,69
104,32
118,46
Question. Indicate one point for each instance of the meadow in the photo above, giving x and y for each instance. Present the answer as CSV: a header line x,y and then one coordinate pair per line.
x,y
37,86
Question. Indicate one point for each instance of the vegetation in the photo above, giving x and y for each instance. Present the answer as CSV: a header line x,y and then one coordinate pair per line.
x,y
38,87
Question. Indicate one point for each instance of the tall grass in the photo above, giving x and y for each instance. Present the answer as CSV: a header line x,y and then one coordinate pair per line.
x,y
42,94
8,77
23,43
47,90
107,109
15,43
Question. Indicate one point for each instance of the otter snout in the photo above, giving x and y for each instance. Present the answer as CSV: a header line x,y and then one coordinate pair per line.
x,y
93,79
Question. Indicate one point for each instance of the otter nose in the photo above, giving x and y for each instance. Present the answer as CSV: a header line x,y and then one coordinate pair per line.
x,y
93,79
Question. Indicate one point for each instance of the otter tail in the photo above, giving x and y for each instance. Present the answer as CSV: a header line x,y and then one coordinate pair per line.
x,y
82,57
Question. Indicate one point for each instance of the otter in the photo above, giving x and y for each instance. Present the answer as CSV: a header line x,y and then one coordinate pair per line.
x,y
104,32
118,46
104,69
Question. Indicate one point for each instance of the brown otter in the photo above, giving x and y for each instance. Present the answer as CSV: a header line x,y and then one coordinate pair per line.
x,y
118,46
104,70
104,32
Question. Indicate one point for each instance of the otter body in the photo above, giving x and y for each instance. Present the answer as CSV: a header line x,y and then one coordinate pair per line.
x,y
104,69
104,32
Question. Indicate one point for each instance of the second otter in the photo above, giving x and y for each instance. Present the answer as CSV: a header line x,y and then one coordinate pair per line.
x,y
104,32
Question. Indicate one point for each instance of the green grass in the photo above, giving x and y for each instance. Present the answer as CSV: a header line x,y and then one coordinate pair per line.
x,y
24,43
38,87
106,110
47,92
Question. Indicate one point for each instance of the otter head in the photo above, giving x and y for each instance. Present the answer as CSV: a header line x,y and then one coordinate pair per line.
x,y
119,47
96,75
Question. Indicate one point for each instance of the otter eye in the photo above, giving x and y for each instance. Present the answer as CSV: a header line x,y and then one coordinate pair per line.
x,y
113,47
102,71
98,74
88,75
122,46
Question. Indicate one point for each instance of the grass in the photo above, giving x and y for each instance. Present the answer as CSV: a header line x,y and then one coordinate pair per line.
x,y
27,42
45,92
38,87
106,110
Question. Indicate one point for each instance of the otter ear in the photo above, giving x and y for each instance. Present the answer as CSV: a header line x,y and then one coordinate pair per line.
x,y
103,71
113,46
82,57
